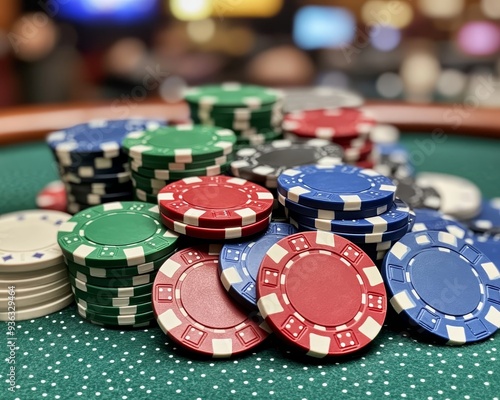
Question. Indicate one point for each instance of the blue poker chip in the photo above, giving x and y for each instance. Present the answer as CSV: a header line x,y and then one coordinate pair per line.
x,y
96,138
432,220
337,187
489,245
443,285
396,217
329,214
360,238
239,263
489,218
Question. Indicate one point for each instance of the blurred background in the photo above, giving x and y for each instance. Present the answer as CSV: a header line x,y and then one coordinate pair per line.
x,y
127,50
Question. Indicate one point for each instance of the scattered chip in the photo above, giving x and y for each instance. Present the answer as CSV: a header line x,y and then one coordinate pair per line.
x,y
418,271
194,310
321,293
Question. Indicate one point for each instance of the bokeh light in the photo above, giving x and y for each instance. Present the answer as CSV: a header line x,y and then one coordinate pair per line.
x,y
389,85
385,38
38,45
451,83
479,38
491,8
441,8
323,27
201,31
191,10
397,14
246,8
420,70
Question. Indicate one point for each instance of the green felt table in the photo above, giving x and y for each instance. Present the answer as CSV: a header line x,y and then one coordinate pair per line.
x,y
62,356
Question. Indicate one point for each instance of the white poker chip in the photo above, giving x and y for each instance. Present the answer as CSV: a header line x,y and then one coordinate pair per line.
x,y
28,240
460,198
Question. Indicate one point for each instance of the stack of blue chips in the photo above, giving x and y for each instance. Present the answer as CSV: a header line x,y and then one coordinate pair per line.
x,y
91,163
358,204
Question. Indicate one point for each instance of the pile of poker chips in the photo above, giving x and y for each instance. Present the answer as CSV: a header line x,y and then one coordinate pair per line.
x,y
358,204
347,127
215,207
253,112
317,292
166,154
113,252
33,275
91,163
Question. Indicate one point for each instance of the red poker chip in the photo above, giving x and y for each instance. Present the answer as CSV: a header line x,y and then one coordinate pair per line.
x,y
215,202
332,124
321,293
52,197
193,308
215,233
352,154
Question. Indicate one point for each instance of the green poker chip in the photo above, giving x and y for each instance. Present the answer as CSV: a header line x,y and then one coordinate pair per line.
x,y
148,183
110,292
115,311
117,320
180,143
124,281
173,166
119,272
231,94
155,178
142,325
104,300
116,234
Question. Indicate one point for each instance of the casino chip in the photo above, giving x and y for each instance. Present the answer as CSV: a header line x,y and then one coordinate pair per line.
x,y
91,163
179,144
460,198
489,245
111,301
116,234
98,138
216,233
307,98
31,297
416,196
338,123
418,271
29,240
194,310
329,214
232,94
396,217
321,293
239,263
52,197
432,220
263,164
40,310
338,187
488,219
215,202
